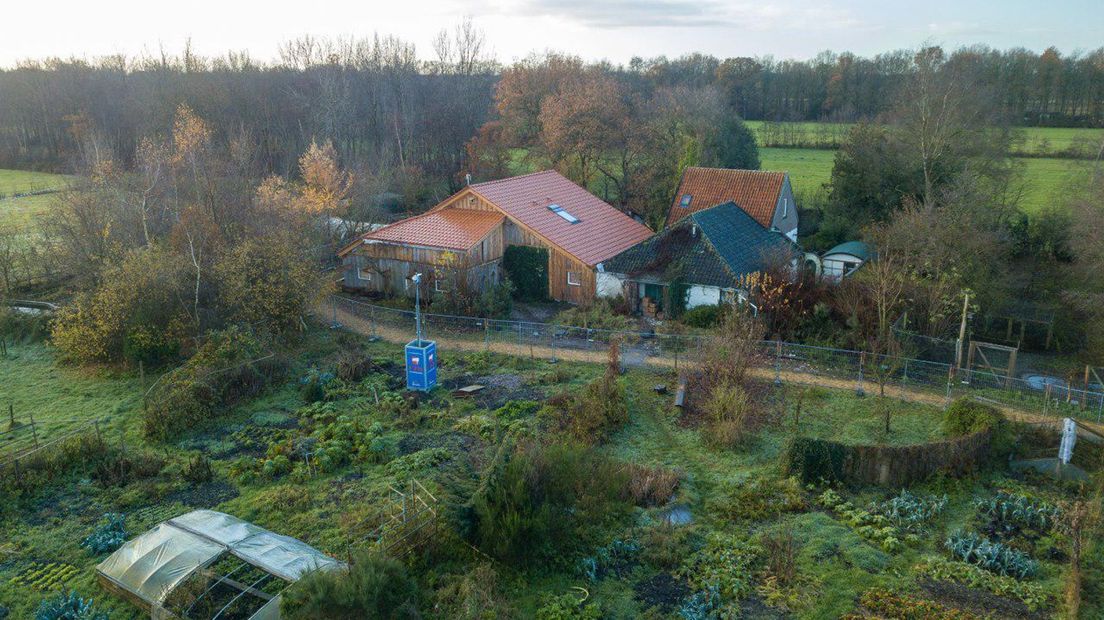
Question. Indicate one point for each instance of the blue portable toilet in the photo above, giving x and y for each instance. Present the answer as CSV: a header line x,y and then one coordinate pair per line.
x,y
421,365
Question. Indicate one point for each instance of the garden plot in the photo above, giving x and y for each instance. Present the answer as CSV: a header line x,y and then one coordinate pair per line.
x,y
589,489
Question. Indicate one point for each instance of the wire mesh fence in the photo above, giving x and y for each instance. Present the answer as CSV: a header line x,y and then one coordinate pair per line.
x,y
786,362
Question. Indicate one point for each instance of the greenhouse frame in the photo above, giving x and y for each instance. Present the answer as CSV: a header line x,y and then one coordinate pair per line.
x,y
208,564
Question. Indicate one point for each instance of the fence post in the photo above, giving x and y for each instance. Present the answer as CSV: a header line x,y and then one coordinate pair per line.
x,y
1046,400
950,377
859,391
11,415
34,432
486,335
552,341
333,306
777,361
96,423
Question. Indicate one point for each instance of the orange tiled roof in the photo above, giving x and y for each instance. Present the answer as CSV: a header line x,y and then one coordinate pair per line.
x,y
601,232
450,229
755,191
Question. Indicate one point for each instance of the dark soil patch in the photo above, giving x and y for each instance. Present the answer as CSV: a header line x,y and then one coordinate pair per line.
x,y
498,389
753,608
68,504
452,441
664,591
207,495
977,601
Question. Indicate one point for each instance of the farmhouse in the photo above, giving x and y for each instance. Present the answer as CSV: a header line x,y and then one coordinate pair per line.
x,y
766,196
701,259
471,229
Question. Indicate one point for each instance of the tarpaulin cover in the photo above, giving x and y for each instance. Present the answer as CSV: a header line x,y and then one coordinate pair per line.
x,y
157,561
153,564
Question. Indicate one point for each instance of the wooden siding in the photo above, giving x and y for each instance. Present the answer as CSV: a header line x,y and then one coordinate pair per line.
x,y
491,248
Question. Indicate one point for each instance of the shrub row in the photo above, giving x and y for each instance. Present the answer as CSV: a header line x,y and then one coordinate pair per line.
x,y
815,460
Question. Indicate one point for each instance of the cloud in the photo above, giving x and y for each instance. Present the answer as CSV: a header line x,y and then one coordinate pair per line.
x,y
759,16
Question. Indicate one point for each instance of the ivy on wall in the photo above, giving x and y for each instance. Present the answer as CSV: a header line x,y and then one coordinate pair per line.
x,y
527,268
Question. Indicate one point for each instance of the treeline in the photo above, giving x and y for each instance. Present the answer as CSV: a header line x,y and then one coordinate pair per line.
x,y
383,108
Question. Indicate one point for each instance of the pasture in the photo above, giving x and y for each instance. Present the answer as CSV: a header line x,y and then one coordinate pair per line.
x,y
25,195
1043,180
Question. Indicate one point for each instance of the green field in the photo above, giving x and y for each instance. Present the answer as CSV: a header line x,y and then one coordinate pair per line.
x,y
20,211
1043,181
1028,141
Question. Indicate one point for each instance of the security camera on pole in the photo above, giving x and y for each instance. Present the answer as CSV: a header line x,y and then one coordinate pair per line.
x,y
421,355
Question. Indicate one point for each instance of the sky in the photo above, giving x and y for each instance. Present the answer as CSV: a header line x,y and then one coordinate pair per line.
x,y
615,30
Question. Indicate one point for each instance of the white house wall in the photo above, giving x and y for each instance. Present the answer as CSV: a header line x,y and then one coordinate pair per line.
x,y
703,296
609,284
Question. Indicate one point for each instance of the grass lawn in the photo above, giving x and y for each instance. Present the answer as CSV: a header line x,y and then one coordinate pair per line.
x,y
19,212
60,398
1032,141
447,443
1045,179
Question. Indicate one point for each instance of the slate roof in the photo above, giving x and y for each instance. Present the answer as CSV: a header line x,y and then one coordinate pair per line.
x,y
602,230
450,229
755,191
728,244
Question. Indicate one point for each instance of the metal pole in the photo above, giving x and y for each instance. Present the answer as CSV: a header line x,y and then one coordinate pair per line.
x,y
859,391
778,362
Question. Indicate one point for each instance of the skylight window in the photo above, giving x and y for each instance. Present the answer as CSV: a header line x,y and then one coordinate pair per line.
x,y
558,210
685,202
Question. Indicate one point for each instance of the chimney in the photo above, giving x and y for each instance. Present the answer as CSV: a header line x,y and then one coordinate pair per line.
x,y
694,231
467,179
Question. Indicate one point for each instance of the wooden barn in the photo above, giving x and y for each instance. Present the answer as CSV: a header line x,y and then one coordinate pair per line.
x,y
469,232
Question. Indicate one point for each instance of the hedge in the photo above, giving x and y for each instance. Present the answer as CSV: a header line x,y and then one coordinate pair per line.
x,y
527,268
814,460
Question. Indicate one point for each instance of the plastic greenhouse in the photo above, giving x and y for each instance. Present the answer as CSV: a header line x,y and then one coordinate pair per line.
x,y
207,564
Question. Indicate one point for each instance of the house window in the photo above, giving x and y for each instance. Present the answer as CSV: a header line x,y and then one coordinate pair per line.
x,y
558,210
364,274
573,278
685,202
440,285
785,206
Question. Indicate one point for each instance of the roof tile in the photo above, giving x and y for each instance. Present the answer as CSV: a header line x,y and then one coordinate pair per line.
x,y
755,191
602,230
450,229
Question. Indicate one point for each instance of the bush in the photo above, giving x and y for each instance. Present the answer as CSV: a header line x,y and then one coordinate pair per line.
x,y
68,606
108,537
600,411
992,556
704,316
652,486
221,373
198,470
966,417
535,501
474,595
601,314
723,567
374,586
728,409
568,606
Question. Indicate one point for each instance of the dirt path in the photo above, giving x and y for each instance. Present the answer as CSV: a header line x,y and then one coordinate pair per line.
x,y
360,325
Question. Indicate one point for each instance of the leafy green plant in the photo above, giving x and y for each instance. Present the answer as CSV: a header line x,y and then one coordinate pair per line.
x,y
568,607
613,559
701,605
198,470
992,556
108,537
909,511
68,606
724,565
1010,512
762,498
888,604
873,526
1034,596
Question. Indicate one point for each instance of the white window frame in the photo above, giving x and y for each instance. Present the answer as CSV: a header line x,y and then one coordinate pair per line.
x,y
785,207
437,286
571,282
364,274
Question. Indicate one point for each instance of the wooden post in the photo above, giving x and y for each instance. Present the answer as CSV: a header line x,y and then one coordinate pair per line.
x,y
11,415
1008,332
1046,402
1050,333
486,335
34,432
1085,389
1011,367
